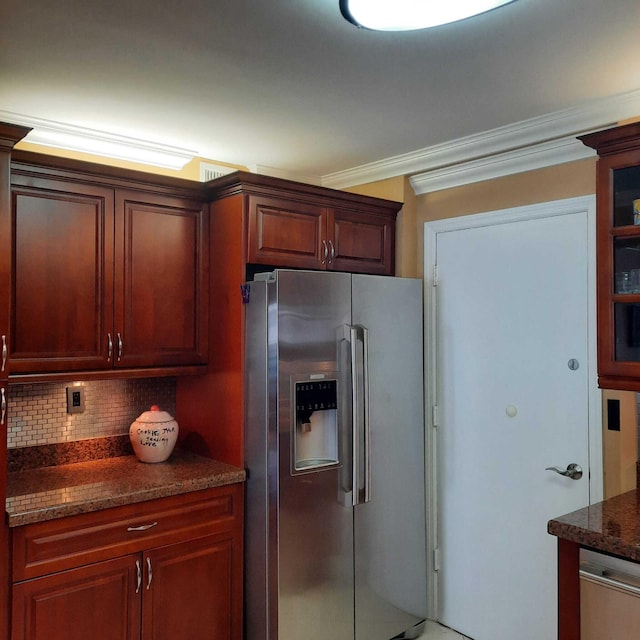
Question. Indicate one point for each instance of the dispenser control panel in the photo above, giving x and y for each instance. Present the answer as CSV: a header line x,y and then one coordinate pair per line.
x,y
315,396
315,425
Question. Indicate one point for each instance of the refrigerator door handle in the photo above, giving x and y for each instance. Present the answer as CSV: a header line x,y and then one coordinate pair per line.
x,y
355,413
361,438
367,416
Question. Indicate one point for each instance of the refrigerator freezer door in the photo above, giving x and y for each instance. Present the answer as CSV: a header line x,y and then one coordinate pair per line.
x,y
389,530
315,523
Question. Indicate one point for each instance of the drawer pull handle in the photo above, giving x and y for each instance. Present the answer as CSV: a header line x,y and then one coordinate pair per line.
x,y
4,352
149,573
120,347
109,347
609,579
139,570
142,527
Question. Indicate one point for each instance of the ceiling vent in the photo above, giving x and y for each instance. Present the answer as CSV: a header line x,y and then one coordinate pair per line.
x,y
209,171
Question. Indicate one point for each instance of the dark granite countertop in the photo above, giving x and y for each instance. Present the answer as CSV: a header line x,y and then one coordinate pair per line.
x,y
611,526
46,493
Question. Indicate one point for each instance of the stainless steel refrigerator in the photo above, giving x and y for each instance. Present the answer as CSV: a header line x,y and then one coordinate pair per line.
x,y
334,448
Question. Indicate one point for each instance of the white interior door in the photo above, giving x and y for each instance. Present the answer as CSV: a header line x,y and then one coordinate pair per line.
x,y
513,309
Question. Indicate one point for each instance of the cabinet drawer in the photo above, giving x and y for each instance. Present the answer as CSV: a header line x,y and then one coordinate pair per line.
x,y
56,545
608,609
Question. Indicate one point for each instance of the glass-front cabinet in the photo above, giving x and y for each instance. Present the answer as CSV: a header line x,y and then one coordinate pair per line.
x,y
618,255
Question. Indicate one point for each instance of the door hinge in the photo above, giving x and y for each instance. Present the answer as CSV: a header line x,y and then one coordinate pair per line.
x,y
436,559
434,415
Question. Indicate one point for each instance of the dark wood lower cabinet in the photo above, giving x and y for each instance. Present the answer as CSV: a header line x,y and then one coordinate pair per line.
x,y
97,601
183,582
178,591
568,590
190,594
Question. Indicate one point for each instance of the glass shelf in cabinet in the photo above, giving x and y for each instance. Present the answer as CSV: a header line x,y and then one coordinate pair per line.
x,y
626,264
627,330
626,196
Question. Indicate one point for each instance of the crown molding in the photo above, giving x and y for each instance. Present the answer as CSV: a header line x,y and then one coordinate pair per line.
x,y
590,116
65,136
537,156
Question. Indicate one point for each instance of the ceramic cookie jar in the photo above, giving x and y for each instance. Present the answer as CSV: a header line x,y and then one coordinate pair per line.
x,y
153,435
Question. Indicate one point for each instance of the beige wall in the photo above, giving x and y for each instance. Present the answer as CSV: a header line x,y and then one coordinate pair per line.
x,y
620,448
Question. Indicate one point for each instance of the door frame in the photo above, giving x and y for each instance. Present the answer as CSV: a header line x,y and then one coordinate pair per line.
x,y
581,204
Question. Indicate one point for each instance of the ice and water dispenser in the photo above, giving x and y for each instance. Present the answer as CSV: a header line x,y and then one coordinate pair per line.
x,y
315,437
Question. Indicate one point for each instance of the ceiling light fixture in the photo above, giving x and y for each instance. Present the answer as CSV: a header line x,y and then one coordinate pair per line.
x,y
406,15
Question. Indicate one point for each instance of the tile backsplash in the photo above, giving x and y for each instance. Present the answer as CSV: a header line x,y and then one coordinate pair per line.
x,y
38,412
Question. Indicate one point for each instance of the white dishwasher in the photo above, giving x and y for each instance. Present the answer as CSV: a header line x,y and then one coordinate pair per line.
x,y
609,597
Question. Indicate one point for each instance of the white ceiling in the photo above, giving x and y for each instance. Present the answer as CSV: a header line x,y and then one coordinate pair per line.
x,y
290,85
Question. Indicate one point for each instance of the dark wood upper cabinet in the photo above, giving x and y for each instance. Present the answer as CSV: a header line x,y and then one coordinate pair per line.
x,y
160,281
286,232
290,224
107,275
362,243
618,255
62,295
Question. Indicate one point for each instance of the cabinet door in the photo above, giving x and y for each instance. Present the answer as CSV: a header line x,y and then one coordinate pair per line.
x,y
62,297
161,270
618,251
100,601
284,233
193,591
362,243
618,246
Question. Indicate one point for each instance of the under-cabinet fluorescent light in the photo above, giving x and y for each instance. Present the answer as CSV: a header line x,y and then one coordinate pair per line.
x,y
406,15
101,143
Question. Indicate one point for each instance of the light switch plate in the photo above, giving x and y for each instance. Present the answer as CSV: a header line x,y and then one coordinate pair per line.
x,y
75,399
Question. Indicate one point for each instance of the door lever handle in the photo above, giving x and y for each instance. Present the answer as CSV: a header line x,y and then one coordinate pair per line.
x,y
573,471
